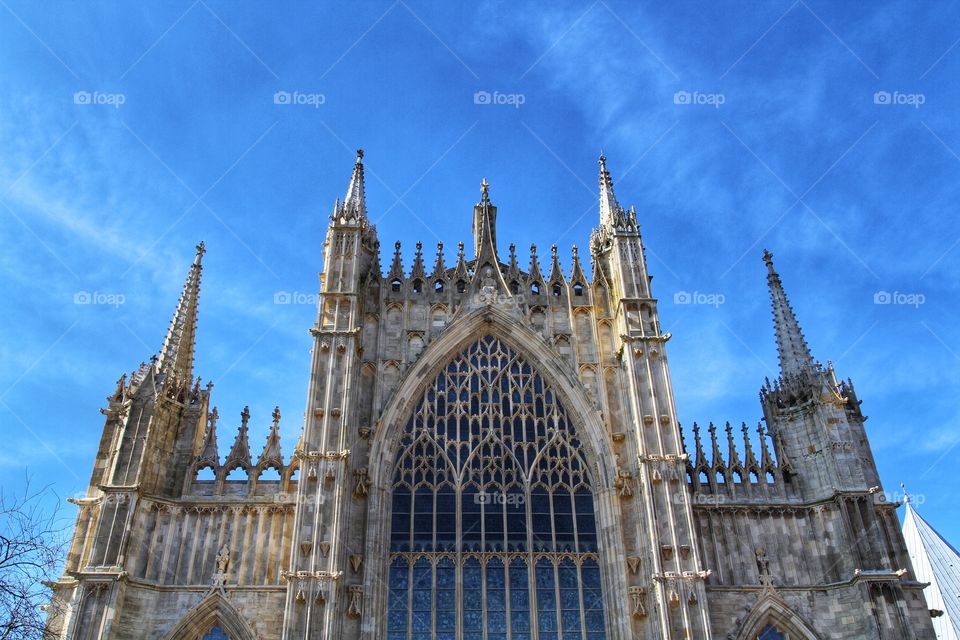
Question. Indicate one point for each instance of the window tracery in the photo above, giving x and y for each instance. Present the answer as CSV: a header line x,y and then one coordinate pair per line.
x,y
492,511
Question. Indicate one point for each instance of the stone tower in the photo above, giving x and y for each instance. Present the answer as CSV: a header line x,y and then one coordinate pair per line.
x,y
488,452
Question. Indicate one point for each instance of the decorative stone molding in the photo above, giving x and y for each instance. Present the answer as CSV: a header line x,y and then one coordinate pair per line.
x,y
356,561
355,606
638,602
362,482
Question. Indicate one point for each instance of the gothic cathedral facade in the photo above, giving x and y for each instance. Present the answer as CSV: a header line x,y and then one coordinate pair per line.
x,y
488,453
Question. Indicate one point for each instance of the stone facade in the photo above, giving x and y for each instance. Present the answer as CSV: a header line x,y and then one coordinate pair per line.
x,y
784,525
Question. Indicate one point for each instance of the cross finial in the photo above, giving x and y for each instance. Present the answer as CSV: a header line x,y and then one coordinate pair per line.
x,y
201,249
485,189
359,155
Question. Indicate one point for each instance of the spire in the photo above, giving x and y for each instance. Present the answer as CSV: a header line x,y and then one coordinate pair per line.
x,y
418,272
396,268
535,276
576,273
176,355
791,345
272,455
439,268
609,207
208,451
240,451
485,227
556,273
355,202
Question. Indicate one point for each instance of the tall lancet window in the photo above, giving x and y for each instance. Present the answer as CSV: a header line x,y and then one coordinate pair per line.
x,y
493,532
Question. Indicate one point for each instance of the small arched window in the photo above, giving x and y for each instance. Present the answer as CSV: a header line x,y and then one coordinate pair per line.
x,y
461,286
557,289
417,286
238,474
395,284
534,288
438,286
514,287
578,289
206,473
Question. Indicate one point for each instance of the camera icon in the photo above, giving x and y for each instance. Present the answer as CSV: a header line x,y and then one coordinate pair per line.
x,y
481,498
881,97
882,297
482,97
282,297
682,297
82,97
82,297
681,97
281,97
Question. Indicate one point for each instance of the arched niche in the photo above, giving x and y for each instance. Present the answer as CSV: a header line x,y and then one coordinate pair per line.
x,y
212,611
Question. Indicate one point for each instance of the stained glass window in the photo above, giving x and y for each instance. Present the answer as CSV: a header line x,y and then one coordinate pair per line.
x,y
770,632
215,634
493,531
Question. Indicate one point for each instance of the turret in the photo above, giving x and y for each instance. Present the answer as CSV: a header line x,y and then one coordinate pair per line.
x,y
815,421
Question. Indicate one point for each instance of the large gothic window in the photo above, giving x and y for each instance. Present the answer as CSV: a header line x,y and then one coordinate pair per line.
x,y
493,532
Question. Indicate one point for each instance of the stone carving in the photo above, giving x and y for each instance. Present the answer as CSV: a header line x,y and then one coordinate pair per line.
x,y
223,563
633,562
638,602
362,482
624,483
355,607
355,561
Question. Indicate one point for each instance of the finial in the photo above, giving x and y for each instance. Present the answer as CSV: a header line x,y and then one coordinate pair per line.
x,y
460,249
602,161
574,252
553,250
276,415
485,190
201,249
359,156
533,249
768,260
906,497
244,416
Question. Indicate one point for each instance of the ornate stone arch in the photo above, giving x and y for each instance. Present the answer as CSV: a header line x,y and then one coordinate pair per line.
x,y
596,446
771,609
212,610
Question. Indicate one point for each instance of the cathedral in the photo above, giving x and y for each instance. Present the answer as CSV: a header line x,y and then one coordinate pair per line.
x,y
489,451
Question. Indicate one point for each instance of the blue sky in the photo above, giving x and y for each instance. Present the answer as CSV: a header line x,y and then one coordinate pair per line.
x,y
732,127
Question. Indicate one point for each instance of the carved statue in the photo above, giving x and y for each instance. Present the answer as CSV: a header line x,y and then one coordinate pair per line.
x,y
223,559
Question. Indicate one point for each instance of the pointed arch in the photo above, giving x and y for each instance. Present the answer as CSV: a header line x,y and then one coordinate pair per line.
x,y
209,612
563,381
771,610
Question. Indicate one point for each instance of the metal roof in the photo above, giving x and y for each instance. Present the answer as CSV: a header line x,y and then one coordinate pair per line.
x,y
937,562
